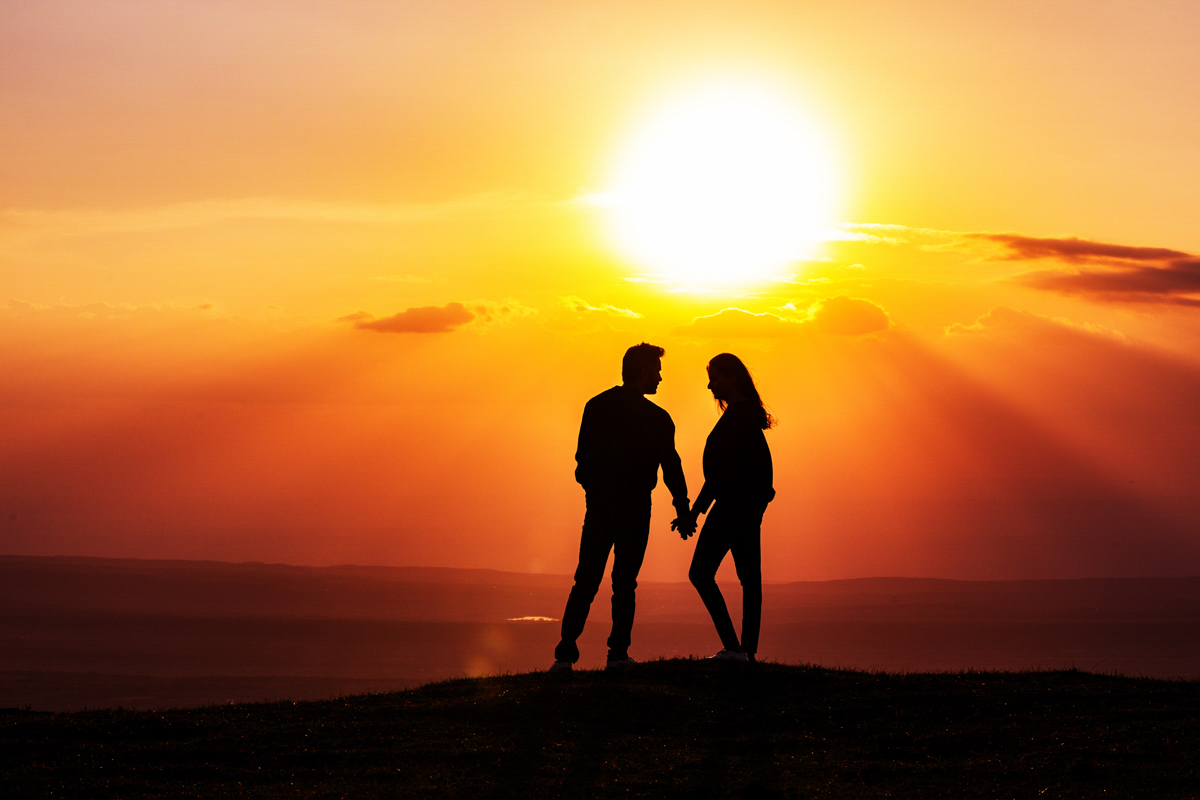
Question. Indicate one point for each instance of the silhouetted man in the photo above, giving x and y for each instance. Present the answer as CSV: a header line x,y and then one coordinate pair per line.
x,y
623,440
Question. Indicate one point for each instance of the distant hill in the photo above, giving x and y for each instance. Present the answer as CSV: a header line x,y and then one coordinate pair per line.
x,y
674,728
78,632
215,588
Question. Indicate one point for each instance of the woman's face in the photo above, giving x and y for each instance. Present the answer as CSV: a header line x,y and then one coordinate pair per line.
x,y
719,385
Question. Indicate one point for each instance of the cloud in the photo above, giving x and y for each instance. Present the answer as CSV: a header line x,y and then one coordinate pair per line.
x,y
501,312
999,318
848,316
838,316
1076,251
734,322
877,233
1004,320
357,316
440,319
425,319
581,306
1171,284
1101,271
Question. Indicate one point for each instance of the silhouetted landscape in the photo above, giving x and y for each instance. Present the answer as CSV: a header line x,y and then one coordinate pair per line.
x,y
675,728
85,632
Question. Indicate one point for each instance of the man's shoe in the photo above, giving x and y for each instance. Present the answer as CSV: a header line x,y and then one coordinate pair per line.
x,y
732,655
618,663
561,666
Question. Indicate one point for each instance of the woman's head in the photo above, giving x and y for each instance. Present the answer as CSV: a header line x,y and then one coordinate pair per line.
x,y
730,380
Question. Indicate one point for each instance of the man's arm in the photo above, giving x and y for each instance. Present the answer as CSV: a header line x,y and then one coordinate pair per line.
x,y
672,471
585,452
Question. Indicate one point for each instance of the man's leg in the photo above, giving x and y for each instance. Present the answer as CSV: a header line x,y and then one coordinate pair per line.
x,y
594,545
747,557
711,547
629,550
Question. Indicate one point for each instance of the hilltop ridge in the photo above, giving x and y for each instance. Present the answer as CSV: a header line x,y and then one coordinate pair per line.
x,y
672,728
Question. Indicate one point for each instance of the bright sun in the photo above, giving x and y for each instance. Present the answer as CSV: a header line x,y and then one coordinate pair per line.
x,y
724,184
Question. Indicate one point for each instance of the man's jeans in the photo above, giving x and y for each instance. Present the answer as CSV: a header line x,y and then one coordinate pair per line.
x,y
622,525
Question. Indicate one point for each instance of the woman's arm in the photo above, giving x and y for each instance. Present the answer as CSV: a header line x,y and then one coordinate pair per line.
x,y
727,456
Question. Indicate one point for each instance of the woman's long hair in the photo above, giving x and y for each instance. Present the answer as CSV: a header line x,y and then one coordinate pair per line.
x,y
732,367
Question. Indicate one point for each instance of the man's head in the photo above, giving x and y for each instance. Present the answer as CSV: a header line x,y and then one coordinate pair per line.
x,y
641,369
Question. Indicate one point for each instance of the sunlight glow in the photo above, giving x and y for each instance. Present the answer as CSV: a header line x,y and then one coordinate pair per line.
x,y
724,184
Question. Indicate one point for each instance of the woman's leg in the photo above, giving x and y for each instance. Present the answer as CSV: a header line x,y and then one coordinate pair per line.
x,y
711,547
747,557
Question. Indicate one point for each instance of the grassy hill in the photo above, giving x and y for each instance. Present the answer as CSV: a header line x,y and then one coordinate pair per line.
x,y
676,728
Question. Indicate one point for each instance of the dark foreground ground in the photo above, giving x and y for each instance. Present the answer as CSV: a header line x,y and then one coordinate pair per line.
x,y
674,728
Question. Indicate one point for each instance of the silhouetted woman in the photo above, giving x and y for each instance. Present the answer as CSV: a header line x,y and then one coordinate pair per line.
x,y
737,484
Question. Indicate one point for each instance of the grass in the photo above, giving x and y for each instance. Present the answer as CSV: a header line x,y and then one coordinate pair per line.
x,y
676,728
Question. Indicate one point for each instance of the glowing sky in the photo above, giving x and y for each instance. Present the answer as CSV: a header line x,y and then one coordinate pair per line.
x,y
330,282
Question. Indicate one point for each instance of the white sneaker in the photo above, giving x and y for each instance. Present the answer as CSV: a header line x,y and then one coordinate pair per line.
x,y
621,662
561,666
732,655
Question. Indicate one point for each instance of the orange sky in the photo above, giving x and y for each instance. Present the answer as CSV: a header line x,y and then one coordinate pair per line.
x,y
324,282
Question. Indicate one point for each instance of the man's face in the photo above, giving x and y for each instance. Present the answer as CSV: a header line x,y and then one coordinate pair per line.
x,y
651,378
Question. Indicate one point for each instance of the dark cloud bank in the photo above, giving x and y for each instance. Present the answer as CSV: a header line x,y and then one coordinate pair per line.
x,y
1107,272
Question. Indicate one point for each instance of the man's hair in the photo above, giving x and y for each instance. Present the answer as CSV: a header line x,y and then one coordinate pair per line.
x,y
639,357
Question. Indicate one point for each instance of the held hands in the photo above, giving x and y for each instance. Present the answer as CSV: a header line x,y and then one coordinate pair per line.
x,y
685,523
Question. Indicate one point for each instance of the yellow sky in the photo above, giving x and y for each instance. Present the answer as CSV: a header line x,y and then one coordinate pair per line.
x,y
204,207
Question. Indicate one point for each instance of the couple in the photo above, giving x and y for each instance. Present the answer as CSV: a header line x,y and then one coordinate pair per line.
x,y
623,440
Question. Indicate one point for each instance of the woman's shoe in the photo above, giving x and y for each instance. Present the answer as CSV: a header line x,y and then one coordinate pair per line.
x,y
732,655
